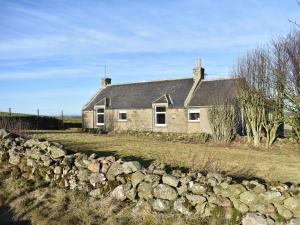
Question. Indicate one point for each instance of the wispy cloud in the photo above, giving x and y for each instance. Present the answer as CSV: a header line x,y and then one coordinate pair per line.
x,y
45,74
61,35
46,94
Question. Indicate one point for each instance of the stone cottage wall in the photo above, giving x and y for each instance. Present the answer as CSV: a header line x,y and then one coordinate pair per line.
x,y
88,118
176,121
203,125
246,202
143,120
137,120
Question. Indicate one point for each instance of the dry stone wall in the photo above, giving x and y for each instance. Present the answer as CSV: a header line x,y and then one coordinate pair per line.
x,y
188,193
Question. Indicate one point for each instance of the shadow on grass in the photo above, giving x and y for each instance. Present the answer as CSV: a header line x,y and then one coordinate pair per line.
x,y
52,132
144,162
7,217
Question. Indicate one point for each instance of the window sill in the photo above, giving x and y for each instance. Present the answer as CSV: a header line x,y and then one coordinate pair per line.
x,y
160,125
100,124
122,120
194,121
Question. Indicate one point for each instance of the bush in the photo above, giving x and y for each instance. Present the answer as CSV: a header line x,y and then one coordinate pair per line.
x,y
223,121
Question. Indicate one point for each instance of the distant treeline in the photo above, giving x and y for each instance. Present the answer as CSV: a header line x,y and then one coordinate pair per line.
x,y
36,122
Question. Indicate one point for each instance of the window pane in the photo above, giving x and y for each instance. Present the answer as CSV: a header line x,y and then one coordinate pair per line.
x,y
194,116
161,118
160,109
100,118
122,116
100,110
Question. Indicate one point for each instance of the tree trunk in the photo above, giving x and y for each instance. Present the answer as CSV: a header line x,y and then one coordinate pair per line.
x,y
256,138
249,133
273,135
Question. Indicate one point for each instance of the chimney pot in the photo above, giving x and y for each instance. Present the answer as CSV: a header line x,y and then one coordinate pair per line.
x,y
105,81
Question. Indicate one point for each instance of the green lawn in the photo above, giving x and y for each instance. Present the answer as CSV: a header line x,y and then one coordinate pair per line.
x,y
281,163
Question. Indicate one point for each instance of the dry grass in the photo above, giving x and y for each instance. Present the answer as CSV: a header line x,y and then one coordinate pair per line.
x,y
281,163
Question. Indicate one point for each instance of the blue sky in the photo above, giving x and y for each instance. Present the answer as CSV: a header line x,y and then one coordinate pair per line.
x,y
49,49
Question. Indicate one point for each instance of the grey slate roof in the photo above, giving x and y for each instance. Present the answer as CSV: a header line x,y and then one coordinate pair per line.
x,y
210,92
141,95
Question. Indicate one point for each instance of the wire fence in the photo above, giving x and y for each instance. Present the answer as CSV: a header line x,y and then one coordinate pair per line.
x,y
38,121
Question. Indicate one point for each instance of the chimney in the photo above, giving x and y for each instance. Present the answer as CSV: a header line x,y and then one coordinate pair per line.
x,y
105,81
198,71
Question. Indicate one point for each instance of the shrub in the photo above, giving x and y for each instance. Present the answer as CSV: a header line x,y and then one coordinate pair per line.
x,y
223,120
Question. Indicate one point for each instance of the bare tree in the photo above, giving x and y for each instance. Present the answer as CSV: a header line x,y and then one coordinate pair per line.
x,y
223,119
251,70
261,94
292,76
269,91
294,22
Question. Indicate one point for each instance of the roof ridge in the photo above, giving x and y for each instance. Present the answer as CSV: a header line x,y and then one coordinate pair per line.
x,y
150,81
224,78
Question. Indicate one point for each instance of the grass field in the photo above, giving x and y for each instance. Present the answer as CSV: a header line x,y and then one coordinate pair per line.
x,y
281,163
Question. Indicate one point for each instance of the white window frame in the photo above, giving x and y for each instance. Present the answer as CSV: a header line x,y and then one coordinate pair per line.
x,y
120,112
193,110
100,107
156,113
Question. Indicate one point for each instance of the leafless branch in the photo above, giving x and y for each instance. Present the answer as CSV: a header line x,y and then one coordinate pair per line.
x,y
294,22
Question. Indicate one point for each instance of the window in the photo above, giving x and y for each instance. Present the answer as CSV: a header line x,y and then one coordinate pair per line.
x,y
122,115
100,116
160,115
194,115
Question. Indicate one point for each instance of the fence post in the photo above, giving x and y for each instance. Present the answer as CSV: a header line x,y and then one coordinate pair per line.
x,y
37,119
62,118
9,111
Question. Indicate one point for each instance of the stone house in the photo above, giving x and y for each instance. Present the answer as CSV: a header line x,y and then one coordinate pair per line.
x,y
172,105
